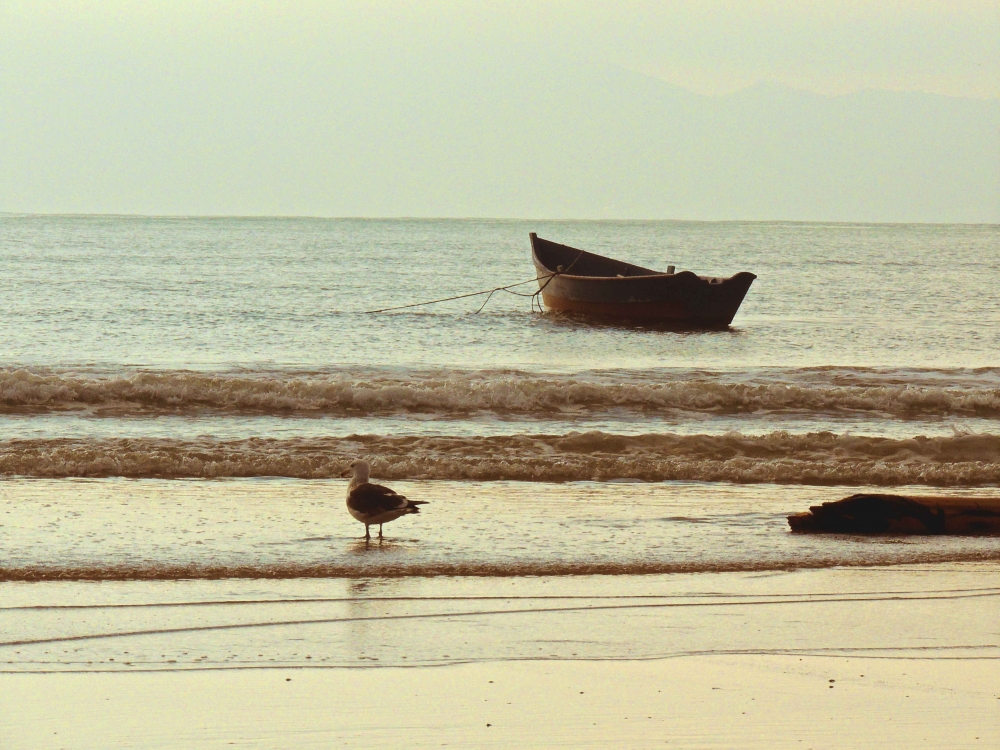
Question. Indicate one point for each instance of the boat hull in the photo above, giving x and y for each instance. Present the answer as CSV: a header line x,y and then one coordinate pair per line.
x,y
596,286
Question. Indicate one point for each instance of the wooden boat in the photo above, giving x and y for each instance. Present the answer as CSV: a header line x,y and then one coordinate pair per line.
x,y
898,514
575,281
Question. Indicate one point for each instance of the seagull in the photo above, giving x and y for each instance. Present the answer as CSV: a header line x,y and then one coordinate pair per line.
x,y
373,503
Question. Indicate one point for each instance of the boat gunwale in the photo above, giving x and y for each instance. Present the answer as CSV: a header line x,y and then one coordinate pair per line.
x,y
553,273
575,277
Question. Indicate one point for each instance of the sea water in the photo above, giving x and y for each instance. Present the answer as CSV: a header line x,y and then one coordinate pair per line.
x,y
179,396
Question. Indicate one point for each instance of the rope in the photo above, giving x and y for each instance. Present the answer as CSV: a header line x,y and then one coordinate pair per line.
x,y
489,292
457,296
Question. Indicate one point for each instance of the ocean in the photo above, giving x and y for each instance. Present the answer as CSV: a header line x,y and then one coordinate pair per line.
x,y
179,397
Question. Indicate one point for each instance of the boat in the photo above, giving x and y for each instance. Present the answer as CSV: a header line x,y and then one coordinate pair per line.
x,y
575,281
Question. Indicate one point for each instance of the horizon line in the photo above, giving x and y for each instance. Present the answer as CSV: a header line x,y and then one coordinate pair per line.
x,y
845,222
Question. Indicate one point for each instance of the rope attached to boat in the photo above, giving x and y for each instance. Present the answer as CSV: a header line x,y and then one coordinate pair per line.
x,y
489,292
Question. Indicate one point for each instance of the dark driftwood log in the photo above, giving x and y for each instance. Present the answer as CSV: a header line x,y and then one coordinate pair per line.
x,y
896,514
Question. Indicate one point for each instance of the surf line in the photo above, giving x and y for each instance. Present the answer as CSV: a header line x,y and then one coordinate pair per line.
x,y
818,653
758,598
480,613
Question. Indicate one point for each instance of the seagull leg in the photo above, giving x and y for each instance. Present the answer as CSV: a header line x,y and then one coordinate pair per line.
x,y
380,531
367,533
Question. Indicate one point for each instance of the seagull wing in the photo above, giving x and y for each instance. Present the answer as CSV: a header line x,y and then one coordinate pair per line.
x,y
370,499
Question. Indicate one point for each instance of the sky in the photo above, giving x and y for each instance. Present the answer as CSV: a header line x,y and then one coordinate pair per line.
x,y
348,108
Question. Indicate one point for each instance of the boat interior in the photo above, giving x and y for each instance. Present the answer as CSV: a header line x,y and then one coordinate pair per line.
x,y
576,262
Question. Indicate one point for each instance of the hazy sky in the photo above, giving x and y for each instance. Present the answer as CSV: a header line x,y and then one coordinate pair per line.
x,y
830,46
117,106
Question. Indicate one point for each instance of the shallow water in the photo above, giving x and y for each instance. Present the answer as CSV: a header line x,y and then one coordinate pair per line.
x,y
280,528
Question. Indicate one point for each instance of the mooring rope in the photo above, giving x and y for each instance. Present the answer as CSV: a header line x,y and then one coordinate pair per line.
x,y
490,292
458,296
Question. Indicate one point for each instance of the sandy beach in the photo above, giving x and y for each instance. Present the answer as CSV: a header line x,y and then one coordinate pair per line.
x,y
697,702
865,657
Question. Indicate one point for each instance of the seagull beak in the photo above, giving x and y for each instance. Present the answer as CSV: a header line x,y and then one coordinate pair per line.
x,y
345,473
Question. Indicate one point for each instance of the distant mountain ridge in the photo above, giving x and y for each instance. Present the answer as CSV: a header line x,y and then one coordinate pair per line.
x,y
533,139
625,145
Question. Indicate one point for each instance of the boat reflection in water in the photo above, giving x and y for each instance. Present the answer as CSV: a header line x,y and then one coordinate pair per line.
x,y
575,281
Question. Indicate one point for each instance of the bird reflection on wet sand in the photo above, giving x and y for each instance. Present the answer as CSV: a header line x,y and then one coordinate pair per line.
x,y
376,545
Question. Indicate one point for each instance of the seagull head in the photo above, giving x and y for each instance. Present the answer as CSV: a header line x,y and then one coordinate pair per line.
x,y
359,469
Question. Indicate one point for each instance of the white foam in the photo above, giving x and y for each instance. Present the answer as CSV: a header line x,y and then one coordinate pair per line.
x,y
458,394
777,457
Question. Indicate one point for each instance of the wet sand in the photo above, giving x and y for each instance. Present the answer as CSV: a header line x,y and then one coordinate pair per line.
x,y
699,660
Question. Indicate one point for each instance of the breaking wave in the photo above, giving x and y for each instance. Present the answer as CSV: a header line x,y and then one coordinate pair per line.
x,y
180,392
820,458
